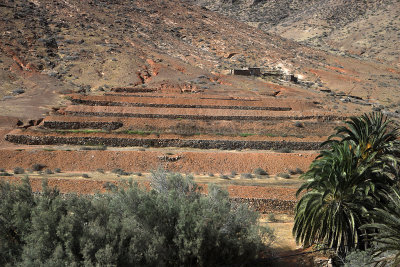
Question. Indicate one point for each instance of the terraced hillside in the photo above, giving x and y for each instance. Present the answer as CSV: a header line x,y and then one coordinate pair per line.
x,y
239,133
130,86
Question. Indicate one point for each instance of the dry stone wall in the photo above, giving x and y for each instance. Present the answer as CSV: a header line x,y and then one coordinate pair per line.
x,y
113,125
154,142
202,117
111,103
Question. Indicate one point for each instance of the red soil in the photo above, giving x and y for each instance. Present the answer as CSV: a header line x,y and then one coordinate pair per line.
x,y
264,102
214,161
87,186
185,126
194,111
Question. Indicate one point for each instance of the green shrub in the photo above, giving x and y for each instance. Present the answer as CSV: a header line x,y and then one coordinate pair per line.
x,y
272,218
120,172
171,225
359,258
224,176
19,170
37,167
299,171
295,171
48,171
283,175
246,175
299,124
57,170
260,171
284,150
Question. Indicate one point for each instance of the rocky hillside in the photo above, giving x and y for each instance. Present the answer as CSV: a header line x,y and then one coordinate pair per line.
x,y
51,46
367,28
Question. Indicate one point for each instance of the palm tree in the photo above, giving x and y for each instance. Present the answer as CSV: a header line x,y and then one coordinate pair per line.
x,y
386,227
371,133
331,210
346,181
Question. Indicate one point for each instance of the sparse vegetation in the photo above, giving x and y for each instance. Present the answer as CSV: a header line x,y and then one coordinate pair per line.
x,y
245,134
299,124
295,171
85,175
283,175
57,170
284,150
246,175
271,217
224,176
37,167
260,171
120,172
94,147
19,170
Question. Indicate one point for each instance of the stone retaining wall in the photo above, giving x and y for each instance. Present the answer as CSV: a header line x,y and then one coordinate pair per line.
x,y
127,104
149,142
112,125
204,117
133,90
269,205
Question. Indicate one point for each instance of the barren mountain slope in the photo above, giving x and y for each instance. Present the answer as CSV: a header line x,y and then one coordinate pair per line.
x,y
48,46
362,28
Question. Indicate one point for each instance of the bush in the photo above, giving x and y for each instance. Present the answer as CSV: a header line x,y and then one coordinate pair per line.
x,y
299,171
120,172
284,175
37,167
57,170
246,175
284,150
296,171
85,175
48,171
260,171
96,147
224,176
171,225
360,258
19,170
272,218
299,124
